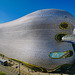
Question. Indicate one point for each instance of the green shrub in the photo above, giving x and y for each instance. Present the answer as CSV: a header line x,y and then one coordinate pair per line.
x,y
2,55
2,73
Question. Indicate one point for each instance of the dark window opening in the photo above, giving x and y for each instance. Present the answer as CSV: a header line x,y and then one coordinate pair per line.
x,y
59,36
64,25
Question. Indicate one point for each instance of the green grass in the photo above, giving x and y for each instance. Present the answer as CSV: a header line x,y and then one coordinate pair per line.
x,y
2,73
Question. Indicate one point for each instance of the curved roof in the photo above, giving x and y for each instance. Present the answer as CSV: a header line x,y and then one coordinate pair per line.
x,y
40,13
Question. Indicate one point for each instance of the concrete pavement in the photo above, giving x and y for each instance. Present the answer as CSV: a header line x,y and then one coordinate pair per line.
x,y
5,69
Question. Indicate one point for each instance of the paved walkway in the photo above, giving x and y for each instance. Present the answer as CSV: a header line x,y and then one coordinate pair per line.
x,y
5,69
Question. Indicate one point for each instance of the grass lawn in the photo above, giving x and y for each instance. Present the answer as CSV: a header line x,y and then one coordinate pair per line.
x,y
2,73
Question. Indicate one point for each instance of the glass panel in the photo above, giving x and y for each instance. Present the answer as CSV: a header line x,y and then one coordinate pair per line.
x,y
59,55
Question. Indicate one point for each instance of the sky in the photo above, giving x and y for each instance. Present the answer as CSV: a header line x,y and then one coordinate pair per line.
x,y
14,9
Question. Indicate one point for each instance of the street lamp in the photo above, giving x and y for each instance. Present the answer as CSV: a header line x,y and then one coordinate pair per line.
x,y
19,68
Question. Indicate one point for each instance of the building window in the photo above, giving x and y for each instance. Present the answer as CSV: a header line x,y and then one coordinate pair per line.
x,y
64,25
64,67
60,55
59,36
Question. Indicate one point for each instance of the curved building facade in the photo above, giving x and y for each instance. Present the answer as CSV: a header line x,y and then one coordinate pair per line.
x,y
36,39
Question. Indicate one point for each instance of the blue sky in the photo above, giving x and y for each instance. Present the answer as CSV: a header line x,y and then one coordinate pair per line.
x,y
14,9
